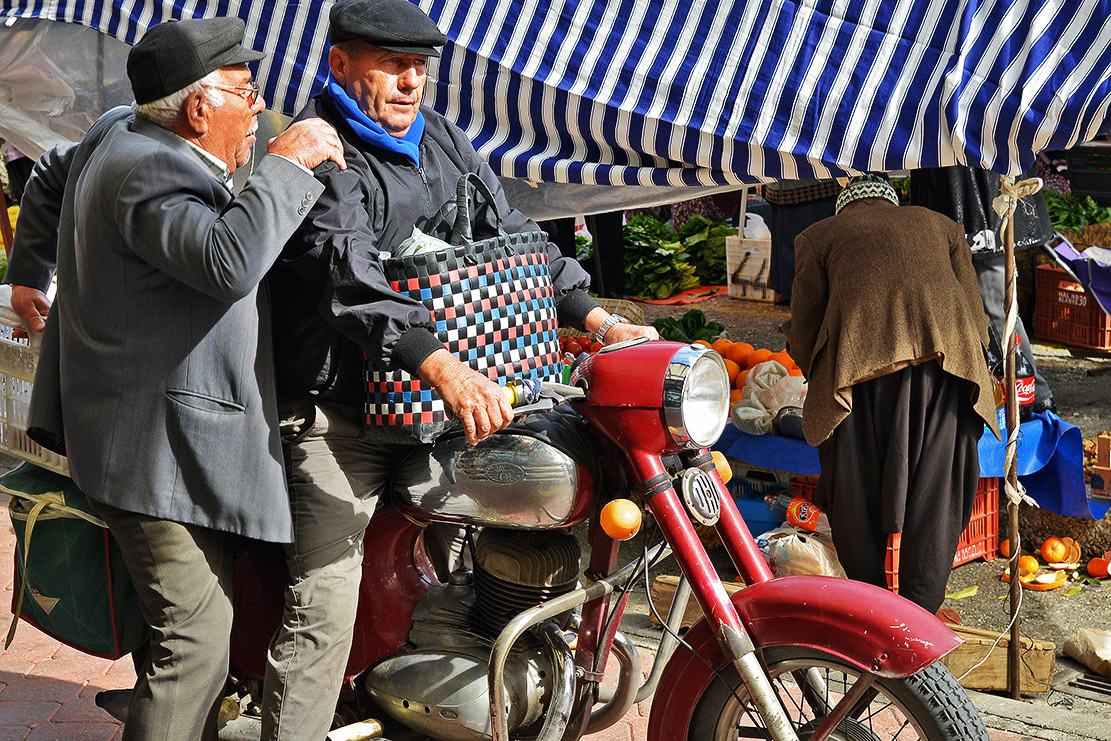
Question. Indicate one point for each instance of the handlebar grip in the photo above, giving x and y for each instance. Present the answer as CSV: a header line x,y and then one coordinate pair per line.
x,y
522,391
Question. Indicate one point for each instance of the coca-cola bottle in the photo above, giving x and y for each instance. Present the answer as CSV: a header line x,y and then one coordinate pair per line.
x,y
1024,383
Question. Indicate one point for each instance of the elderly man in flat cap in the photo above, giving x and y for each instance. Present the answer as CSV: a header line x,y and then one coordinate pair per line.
x,y
404,162
156,371
888,328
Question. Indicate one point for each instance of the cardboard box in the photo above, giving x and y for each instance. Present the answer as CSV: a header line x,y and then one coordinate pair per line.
x,y
748,264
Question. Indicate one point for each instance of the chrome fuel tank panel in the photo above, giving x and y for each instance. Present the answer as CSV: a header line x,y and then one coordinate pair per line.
x,y
507,480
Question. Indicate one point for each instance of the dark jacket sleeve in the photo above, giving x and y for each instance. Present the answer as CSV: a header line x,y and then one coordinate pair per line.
x,y
335,253
569,280
35,252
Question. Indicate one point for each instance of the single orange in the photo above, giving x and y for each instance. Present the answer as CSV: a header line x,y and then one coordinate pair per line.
x,y
1027,565
735,396
1005,548
704,343
738,352
759,356
739,382
783,359
1054,550
721,345
733,369
794,372
620,519
1097,568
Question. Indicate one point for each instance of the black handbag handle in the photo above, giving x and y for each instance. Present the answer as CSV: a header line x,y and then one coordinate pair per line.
x,y
462,231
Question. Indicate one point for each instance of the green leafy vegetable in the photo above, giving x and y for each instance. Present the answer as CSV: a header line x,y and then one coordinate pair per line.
x,y
1067,211
690,327
584,248
704,241
655,264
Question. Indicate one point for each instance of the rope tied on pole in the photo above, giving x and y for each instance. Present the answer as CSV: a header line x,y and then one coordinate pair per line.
x,y
1005,204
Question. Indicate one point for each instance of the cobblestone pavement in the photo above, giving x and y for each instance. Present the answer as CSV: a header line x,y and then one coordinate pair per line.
x,y
47,689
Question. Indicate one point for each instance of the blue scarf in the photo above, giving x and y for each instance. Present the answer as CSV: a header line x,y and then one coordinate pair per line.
x,y
369,131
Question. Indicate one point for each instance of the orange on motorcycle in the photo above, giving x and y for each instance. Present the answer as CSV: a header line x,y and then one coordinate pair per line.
x,y
721,463
620,519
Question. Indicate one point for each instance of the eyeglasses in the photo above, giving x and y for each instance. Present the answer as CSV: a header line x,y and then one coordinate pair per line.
x,y
251,91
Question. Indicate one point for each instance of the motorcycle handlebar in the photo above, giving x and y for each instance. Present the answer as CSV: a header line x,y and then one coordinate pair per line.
x,y
525,391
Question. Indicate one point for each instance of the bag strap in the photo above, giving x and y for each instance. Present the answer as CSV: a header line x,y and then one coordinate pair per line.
x,y
55,500
463,231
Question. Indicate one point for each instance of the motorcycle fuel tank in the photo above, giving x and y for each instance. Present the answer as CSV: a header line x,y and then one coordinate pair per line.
x,y
508,480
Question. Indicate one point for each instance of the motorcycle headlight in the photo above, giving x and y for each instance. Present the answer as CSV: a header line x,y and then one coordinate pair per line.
x,y
696,396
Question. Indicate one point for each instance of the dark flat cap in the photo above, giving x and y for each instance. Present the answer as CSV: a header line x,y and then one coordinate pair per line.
x,y
394,25
175,54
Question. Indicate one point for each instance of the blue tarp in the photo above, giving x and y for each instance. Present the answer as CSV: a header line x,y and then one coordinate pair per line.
x,y
1050,461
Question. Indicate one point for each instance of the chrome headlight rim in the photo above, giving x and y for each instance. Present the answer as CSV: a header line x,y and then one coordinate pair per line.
x,y
675,378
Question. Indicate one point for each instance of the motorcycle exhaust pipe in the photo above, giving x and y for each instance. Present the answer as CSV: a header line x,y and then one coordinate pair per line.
x,y
625,696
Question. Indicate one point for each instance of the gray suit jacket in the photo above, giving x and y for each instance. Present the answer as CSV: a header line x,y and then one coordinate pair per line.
x,y
157,361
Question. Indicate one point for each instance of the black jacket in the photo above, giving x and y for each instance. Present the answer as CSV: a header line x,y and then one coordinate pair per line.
x,y
331,298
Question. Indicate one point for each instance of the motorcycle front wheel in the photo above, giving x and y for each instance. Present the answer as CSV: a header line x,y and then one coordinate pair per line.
x,y
929,705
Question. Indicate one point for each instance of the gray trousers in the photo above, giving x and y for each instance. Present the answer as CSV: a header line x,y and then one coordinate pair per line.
x,y
335,481
183,574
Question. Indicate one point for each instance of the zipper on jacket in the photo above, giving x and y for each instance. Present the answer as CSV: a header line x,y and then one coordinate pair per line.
x,y
427,192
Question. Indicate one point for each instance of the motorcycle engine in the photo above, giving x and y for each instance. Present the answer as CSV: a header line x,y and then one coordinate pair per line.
x,y
437,683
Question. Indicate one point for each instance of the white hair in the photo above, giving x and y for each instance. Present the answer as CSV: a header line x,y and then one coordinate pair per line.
x,y
166,110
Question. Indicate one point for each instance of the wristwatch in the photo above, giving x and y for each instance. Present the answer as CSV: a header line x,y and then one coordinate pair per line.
x,y
612,319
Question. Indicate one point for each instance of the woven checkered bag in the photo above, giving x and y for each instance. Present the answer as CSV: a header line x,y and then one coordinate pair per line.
x,y
494,307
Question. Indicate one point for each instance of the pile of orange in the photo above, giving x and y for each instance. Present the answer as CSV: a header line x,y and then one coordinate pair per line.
x,y
740,357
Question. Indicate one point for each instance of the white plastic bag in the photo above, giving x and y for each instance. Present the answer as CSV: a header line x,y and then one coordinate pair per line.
x,y
789,550
768,388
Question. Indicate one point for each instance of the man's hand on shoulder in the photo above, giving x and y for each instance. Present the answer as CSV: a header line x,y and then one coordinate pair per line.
x,y
477,402
308,143
31,305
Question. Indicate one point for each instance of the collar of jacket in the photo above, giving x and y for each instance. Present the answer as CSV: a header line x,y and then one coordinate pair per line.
x,y
369,131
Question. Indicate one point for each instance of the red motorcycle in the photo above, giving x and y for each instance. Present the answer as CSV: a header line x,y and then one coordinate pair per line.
x,y
516,648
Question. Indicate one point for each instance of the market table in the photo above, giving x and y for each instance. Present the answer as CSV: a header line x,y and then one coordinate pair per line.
x,y
1050,461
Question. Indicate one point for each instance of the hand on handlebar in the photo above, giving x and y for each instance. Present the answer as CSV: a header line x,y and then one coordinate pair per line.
x,y
622,332
32,306
479,403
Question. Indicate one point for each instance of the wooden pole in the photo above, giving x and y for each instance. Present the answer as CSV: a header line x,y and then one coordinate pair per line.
x,y
1014,656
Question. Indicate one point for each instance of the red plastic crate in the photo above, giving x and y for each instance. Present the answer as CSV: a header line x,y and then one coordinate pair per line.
x,y
1065,313
979,540
804,486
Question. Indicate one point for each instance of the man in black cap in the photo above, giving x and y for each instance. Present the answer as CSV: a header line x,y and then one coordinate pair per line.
x,y
404,162
155,376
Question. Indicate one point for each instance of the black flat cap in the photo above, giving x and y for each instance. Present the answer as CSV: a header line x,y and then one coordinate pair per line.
x,y
394,25
175,54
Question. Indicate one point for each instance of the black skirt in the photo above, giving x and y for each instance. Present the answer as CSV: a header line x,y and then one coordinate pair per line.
x,y
904,461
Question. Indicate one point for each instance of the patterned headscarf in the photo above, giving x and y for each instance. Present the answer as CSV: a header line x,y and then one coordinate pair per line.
x,y
863,187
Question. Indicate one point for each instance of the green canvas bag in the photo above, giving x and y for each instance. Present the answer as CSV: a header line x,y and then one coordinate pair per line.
x,y
71,582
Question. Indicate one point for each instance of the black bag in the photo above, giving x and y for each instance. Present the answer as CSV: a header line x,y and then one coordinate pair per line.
x,y
494,307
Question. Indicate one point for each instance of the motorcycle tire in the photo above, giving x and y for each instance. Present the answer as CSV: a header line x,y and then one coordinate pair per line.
x,y
930,704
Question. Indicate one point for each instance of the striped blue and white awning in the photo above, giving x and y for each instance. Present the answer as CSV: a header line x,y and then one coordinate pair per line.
x,y
712,92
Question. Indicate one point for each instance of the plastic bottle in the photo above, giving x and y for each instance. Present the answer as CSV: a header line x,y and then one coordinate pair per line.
x,y
1024,383
798,511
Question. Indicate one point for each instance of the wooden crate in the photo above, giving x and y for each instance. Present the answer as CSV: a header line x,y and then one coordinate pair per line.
x,y
663,594
1101,472
748,265
1038,660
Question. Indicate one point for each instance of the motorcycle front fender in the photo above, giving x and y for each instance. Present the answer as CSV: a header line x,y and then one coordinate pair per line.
x,y
862,624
